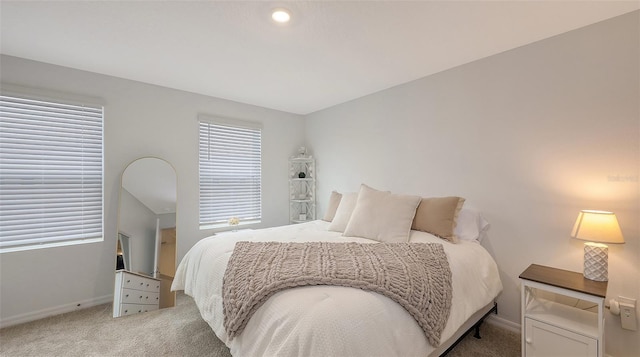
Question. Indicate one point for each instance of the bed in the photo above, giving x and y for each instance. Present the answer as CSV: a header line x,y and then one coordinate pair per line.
x,y
329,320
333,320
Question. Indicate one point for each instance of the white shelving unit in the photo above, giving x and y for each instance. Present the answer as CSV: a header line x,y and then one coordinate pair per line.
x,y
551,328
302,190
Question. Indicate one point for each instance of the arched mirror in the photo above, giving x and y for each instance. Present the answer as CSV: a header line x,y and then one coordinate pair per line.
x,y
146,247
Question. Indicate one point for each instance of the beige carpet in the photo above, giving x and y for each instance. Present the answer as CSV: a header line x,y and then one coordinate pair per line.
x,y
178,331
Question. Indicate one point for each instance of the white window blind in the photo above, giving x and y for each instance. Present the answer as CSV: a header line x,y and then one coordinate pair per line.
x,y
50,173
230,174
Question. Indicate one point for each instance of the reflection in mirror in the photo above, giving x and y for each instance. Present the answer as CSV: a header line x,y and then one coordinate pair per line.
x,y
146,248
123,252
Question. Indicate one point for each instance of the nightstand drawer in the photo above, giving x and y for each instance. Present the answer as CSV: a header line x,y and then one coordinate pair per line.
x,y
544,340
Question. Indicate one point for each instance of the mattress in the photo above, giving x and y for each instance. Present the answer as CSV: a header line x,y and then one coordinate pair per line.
x,y
331,320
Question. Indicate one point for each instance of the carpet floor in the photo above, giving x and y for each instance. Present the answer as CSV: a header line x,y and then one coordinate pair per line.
x,y
177,331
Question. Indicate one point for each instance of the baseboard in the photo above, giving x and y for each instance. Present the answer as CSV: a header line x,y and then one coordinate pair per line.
x,y
503,323
56,310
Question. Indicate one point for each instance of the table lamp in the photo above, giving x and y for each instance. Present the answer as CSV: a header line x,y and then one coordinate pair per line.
x,y
597,227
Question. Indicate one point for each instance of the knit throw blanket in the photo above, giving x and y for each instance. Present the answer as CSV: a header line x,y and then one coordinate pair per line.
x,y
415,275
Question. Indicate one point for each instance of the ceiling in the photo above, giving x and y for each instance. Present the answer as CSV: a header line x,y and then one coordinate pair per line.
x,y
330,52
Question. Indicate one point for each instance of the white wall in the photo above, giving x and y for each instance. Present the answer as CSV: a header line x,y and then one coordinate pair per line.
x,y
138,222
530,136
140,120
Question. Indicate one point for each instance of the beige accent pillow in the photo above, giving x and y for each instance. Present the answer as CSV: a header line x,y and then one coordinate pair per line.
x,y
334,202
438,216
382,216
343,213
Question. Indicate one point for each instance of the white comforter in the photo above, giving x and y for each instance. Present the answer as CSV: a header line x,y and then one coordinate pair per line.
x,y
331,320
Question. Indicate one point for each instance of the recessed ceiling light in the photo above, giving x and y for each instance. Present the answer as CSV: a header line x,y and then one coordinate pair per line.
x,y
280,16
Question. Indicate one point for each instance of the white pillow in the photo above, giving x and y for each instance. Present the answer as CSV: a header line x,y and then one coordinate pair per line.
x,y
334,202
471,225
382,216
343,213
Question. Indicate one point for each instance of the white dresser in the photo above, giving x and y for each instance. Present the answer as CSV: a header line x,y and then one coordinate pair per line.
x,y
135,293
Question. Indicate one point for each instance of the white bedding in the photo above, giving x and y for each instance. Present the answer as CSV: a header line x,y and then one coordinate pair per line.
x,y
331,320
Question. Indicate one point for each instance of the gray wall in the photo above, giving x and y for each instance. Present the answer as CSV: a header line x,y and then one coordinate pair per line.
x,y
530,137
140,120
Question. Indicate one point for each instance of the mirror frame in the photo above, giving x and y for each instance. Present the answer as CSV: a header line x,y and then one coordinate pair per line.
x,y
158,237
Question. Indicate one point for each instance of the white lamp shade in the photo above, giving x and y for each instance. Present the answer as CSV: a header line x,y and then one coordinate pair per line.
x,y
597,226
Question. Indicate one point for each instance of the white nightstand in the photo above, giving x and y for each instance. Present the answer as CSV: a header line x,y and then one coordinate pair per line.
x,y
550,328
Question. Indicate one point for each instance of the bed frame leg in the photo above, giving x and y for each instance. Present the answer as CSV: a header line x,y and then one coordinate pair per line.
x,y
477,331
494,309
476,334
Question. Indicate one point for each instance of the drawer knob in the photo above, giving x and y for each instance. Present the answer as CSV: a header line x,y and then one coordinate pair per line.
x,y
528,340
126,295
128,281
125,311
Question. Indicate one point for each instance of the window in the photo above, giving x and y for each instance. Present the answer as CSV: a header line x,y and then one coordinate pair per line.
x,y
50,173
230,173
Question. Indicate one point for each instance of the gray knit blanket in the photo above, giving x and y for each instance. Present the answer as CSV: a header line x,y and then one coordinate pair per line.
x,y
415,275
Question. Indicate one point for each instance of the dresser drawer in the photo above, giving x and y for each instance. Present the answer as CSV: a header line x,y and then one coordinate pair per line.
x,y
131,309
131,296
131,281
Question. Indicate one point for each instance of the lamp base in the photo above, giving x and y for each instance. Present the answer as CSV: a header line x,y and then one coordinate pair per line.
x,y
596,261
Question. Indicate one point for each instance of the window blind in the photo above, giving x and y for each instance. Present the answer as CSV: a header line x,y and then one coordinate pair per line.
x,y
230,173
50,173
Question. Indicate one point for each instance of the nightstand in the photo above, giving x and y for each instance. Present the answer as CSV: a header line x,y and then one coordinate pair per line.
x,y
550,328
